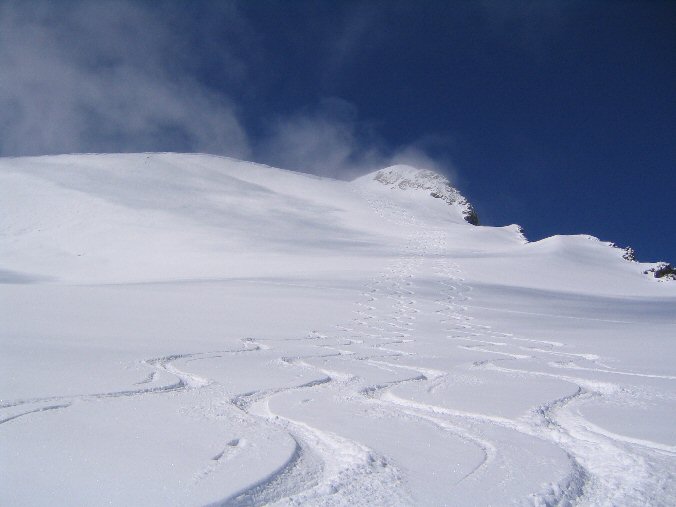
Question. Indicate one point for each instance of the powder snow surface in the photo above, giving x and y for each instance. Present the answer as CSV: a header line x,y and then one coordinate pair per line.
x,y
194,330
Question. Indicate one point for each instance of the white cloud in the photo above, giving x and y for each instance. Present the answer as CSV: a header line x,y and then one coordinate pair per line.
x,y
325,140
103,77
330,140
121,76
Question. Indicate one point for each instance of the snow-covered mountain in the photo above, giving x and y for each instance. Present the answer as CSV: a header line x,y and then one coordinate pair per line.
x,y
429,182
191,330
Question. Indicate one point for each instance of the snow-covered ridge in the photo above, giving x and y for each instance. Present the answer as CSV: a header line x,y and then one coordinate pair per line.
x,y
267,337
405,177
153,216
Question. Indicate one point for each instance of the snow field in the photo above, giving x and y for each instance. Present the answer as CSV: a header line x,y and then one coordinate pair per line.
x,y
192,330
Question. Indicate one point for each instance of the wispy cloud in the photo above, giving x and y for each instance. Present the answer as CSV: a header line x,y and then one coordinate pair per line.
x,y
327,140
331,140
122,76
105,76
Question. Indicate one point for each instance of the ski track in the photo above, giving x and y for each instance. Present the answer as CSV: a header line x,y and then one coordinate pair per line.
x,y
164,364
591,481
325,468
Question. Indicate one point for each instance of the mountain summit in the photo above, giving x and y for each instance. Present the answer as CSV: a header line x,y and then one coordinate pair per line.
x,y
405,177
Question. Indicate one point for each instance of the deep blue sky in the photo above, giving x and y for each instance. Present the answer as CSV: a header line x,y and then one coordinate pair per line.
x,y
559,116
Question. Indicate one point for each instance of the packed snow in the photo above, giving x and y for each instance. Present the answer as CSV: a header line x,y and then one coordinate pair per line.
x,y
196,330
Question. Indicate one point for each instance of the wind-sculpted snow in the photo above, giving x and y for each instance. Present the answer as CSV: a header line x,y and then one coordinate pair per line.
x,y
192,330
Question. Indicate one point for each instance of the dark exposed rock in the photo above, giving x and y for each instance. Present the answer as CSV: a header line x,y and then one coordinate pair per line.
x,y
629,254
663,270
470,214
468,211
521,231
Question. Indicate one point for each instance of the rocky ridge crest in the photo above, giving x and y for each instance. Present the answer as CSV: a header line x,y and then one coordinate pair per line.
x,y
406,177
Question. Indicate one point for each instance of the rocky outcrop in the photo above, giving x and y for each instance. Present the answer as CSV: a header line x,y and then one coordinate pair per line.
x,y
663,271
660,270
438,186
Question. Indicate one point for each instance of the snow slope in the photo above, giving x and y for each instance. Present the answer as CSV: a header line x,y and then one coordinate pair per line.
x,y
196,330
